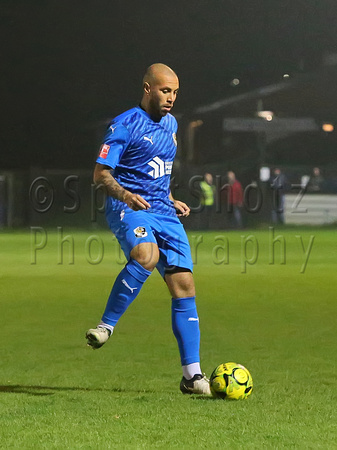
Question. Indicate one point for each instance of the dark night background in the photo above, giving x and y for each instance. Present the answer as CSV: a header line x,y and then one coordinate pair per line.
x,y
68,65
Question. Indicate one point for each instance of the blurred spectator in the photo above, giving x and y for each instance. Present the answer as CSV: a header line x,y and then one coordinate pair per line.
x,y
207,199
235,199
207,189
278,183
316,181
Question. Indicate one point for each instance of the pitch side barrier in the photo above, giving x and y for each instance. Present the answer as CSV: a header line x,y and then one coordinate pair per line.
x,y
310,209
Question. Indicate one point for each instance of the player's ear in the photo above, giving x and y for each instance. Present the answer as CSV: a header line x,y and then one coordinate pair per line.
x,y
147,88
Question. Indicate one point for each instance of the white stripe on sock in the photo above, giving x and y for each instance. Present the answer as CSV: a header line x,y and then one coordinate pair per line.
x,y
107,326
191,369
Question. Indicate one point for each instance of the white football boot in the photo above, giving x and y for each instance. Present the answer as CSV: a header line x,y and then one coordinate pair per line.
x,y
96,337
199,384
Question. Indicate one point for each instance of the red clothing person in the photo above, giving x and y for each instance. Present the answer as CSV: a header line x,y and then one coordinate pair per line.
x,y
235,198
236,193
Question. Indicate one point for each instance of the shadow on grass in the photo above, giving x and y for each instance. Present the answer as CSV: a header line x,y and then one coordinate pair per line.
x,y
51,390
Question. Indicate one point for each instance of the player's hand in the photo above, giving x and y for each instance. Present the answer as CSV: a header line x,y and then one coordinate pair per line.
x,y
135,201
182,209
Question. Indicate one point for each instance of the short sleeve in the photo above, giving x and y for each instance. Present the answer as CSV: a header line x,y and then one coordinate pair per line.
x,y
114,144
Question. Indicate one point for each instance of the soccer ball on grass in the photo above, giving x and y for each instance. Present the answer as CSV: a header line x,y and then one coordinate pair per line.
x,y
231,380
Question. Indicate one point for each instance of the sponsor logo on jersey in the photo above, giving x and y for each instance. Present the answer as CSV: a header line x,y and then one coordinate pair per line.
x,y
140,232
174,137
104,151
160,167
149,139
113,128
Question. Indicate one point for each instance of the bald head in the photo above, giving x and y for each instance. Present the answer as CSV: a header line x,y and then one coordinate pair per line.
x,y
231,176
160,85
157,71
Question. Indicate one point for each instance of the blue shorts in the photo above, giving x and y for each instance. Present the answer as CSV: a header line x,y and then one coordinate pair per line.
x,y
135,227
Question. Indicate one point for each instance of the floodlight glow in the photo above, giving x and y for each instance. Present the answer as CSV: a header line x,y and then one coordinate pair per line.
x,y
328,127
264,173
235,82
266,115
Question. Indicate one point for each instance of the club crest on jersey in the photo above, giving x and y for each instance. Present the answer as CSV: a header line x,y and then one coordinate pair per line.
x,y
160,167
140,232
174,137
104,151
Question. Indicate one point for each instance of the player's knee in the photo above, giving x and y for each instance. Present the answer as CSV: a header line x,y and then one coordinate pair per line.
x,y
180,283
146,254
186,288
137,271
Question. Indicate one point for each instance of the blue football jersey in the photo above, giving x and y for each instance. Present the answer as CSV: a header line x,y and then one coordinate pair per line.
x,y
141,153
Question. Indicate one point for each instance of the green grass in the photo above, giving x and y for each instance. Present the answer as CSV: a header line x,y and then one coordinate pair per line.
x,y
277,319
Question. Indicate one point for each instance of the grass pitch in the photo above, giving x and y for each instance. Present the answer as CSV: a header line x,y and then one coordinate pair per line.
x,y
266,299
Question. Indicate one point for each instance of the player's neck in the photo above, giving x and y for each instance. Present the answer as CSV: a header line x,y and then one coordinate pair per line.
x,y
145,107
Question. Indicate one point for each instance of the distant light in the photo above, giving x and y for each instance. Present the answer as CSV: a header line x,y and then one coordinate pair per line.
x,y
304,180
266,115
196,123
286,75
264,173
235,82
328,127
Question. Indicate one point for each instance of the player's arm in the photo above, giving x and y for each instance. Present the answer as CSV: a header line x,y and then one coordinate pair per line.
x,y
103,177
182,209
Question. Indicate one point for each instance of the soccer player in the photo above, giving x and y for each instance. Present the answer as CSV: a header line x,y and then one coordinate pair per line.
x,y
134,167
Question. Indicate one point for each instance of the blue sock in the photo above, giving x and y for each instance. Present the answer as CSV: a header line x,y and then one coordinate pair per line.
x,y
125,289
185,326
